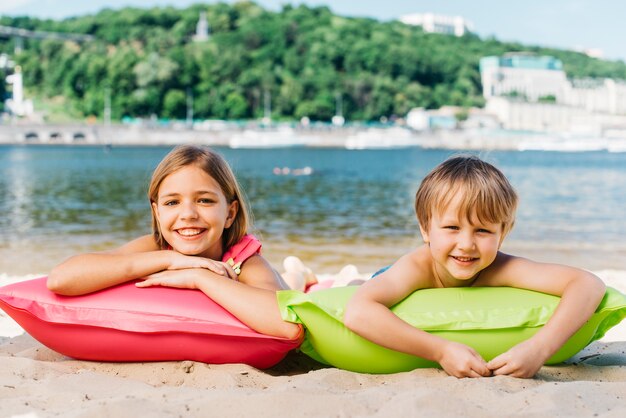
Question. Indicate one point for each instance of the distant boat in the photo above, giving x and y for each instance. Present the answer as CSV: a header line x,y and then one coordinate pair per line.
x,y
571,144
376,138
282,137
617,145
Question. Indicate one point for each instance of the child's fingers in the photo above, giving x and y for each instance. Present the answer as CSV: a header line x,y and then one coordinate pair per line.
x,y
231,272
505,370
228,271
147,283
474,373
217,268
482,369
497,362
501,365
154,279
479,367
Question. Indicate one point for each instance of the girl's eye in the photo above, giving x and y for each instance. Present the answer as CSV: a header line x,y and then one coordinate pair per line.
x,y
170,202
205,201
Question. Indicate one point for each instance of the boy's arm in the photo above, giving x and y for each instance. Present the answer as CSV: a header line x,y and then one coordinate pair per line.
x,y
580,293
368,315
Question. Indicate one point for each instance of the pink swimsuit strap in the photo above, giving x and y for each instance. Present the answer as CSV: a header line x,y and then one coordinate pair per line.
x,y
247,246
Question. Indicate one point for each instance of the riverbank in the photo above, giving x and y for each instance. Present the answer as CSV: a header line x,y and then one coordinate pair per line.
x,y
220,133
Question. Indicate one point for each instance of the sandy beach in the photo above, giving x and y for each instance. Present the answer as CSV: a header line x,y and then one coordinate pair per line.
x,y
38,382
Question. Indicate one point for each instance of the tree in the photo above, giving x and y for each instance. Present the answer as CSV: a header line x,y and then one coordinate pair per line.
x,y
174,104
303,56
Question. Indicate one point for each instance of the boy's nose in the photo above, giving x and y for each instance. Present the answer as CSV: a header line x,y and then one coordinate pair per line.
x,y
466,242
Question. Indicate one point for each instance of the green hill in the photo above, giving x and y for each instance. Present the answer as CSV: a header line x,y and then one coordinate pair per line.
x,y
303,57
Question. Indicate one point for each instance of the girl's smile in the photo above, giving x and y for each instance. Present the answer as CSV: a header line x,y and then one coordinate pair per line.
x,y
190,233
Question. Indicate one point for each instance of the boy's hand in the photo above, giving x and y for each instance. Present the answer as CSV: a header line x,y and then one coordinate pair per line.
x,y
460,360
523,360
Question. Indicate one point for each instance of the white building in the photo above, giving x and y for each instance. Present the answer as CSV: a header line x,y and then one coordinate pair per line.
x,y
515,84
17,105
449,117
597,95
430,22
525,76
202,29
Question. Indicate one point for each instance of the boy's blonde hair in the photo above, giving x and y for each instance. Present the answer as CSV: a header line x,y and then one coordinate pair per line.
x,y
485,192
215,166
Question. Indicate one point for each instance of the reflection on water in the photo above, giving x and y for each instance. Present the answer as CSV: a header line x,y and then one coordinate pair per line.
x,y
356,206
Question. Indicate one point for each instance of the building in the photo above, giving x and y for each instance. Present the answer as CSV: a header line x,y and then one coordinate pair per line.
x,y
17,105
432,23
526,76
529,92
448,118
202,29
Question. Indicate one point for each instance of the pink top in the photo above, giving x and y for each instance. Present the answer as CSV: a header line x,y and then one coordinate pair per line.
x,y
247,246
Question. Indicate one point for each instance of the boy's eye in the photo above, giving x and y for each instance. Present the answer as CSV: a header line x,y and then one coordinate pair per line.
x,y
451,227
170,202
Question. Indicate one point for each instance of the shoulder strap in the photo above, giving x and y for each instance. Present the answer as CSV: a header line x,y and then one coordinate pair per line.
x,y
247,246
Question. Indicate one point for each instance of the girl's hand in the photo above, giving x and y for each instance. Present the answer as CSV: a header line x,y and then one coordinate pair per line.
x,y
459,360
524,360
182,279
180,262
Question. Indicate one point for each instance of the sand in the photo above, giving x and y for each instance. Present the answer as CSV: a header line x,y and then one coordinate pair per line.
x,y
38,382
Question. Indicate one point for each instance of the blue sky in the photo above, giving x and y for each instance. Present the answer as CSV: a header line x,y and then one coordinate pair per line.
x,y
569,24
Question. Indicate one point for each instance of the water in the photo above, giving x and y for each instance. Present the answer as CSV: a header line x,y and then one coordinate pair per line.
x,y
356,207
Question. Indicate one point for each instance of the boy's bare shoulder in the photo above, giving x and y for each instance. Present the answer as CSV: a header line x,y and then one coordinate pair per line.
x,y
504,270
415,268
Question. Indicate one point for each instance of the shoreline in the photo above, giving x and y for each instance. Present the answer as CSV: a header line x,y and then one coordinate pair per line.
x,y
323,255
254,135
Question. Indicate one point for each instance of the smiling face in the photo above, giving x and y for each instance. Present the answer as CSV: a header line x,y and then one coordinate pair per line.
x,y
192,212
461,247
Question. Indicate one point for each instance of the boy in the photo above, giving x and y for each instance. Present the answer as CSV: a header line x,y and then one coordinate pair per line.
x,y
465,208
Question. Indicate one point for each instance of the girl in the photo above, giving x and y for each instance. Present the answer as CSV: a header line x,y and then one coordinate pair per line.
x,y
199,241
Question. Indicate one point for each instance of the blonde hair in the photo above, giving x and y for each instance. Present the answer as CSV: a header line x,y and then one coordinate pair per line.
x,y
485,192
215,166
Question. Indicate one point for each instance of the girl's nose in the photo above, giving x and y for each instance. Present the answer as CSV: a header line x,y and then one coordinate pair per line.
x,y
188,211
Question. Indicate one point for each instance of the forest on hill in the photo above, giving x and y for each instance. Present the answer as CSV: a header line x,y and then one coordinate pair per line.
x,y
301,60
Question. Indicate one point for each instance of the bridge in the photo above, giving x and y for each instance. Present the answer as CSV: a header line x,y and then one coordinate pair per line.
x,y
20,34
8,31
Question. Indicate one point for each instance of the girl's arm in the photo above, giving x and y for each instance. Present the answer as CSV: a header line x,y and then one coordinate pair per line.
x,y
254,306
580,293
368,315
257,272
86,273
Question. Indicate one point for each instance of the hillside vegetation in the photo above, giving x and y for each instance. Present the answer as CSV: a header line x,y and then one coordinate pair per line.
x,y
302,58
